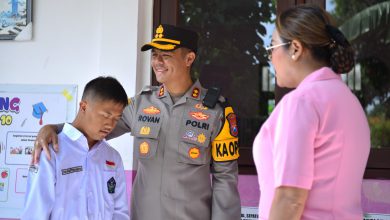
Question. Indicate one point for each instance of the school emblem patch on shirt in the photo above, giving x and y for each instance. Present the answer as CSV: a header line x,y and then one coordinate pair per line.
x,y
111,184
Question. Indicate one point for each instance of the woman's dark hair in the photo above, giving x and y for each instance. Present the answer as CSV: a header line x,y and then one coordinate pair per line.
x,y
105,88
312,26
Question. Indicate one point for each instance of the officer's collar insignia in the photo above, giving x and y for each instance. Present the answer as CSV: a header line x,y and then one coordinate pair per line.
x,y
111,184
110,164
151,110
161,91
194,152
195,93
199,115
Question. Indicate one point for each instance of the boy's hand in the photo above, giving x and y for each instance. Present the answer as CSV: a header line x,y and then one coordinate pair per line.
x,y
46,135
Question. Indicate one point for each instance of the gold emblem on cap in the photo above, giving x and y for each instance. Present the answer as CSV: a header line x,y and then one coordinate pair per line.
x,y
159,32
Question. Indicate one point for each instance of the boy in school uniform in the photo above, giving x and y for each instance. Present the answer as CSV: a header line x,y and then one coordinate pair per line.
x,y
86,179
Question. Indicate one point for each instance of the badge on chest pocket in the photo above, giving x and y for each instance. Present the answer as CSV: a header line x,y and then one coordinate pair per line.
x,y
111,184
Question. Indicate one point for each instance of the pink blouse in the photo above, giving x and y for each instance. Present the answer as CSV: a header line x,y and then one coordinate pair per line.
x,y
317,138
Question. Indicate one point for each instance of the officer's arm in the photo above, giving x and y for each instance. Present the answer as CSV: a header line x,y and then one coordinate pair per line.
x,y
40,195
124,124
226,199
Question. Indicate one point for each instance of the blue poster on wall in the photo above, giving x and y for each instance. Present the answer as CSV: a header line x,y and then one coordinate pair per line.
x,y
15,19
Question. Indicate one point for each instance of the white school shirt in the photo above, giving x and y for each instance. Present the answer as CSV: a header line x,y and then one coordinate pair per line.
x,y
77,183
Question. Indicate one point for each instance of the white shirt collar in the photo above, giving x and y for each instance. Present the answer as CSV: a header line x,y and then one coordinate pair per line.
x,y
72,132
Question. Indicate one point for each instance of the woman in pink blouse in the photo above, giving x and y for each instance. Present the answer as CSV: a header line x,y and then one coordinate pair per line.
x,y
311,153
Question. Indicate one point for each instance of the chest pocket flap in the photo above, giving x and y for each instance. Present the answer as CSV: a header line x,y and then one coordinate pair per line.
x,y
196,129
146,131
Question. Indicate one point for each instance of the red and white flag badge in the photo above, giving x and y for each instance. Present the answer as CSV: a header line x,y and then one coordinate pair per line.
x,y
110,164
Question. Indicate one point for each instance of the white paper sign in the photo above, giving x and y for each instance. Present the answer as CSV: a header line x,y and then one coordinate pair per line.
x,y
24,109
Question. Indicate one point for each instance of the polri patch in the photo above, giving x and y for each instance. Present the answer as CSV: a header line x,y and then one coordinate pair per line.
x,y
111,184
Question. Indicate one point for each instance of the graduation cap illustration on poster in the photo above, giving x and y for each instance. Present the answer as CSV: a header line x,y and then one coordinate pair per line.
x,y
38,110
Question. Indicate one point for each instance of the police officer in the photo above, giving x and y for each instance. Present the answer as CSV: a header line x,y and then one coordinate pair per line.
x,y
183,135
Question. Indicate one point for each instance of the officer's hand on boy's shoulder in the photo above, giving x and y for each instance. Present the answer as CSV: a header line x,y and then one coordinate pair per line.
x,y
46,135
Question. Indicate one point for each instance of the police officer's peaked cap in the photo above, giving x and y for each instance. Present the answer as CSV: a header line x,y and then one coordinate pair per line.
x,y
168,37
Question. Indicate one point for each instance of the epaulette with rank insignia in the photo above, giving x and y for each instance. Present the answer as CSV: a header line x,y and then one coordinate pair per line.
x,y
146,89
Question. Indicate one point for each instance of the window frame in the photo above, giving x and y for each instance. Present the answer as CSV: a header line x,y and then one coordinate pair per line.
x,y
378,165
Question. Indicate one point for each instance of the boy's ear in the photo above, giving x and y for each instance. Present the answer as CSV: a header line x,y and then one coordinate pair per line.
x,y
83,105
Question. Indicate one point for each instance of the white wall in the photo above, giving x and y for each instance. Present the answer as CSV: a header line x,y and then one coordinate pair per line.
x,y
75,41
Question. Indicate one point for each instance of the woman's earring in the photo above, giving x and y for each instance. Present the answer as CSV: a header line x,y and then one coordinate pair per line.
x,y
293,57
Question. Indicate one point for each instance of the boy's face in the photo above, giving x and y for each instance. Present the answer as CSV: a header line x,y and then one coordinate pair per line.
x,y
100,118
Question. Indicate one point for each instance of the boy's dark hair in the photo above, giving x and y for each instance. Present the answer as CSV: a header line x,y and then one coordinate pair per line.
x,y
105,88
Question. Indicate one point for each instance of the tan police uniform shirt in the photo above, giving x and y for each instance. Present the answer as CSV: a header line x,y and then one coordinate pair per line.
x,y
177,146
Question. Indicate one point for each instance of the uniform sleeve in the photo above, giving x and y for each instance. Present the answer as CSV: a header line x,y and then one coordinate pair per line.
x,y
225,199
40,195
293,151
121,209
125,123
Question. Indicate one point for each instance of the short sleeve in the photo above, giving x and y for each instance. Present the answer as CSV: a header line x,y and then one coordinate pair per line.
x,y
293,151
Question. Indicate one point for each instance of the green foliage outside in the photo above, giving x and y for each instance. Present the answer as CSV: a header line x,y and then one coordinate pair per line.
x,y
367,24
